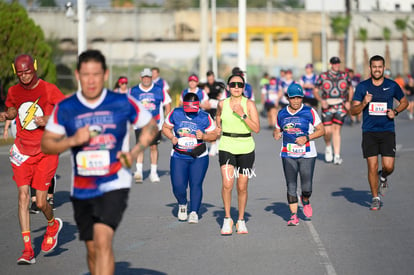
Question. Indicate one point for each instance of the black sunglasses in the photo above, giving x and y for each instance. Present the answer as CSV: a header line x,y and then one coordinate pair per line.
x,y
239,84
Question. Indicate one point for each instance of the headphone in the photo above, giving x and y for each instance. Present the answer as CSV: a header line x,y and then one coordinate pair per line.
x,y
34,66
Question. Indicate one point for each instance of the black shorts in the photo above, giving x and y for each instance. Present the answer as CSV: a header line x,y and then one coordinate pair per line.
x,y
242,161
156,140
334,114
107,209
269,105
378,143
311,102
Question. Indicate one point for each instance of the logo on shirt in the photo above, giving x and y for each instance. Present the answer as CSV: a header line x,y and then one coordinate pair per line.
x,y
385,89
28,111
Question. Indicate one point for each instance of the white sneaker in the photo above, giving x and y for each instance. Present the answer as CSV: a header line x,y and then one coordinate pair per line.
x,y
138,177
328,154
241,227
182,212
410,116
227,228
337,160
154,177
193,217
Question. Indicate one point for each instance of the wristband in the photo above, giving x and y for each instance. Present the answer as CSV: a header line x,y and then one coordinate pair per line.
x,y
307,138
395,112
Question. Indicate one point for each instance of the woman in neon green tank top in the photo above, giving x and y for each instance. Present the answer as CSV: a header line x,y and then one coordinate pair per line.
x,y
236,117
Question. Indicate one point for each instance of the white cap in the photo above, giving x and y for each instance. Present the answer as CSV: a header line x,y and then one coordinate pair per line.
x,y
146,72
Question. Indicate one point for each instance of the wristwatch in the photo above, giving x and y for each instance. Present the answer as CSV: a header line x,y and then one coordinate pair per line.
x,y
395,112
244,116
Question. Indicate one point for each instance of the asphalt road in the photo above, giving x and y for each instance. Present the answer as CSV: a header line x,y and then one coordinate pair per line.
x,y
343,237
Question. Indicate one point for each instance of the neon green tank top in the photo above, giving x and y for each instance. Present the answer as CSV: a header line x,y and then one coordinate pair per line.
x,y
232,123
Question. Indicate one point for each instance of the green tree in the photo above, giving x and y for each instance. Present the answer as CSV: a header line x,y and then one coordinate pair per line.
x,y
20,35
386,34
47,3
401,25
339,25
363,36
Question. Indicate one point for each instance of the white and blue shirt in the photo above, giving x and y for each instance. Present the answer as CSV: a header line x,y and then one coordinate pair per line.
x,y
96,170
294,125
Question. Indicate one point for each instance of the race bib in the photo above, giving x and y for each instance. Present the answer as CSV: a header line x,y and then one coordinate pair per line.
x,y
16,157
295,149
377,108
187,142
93,163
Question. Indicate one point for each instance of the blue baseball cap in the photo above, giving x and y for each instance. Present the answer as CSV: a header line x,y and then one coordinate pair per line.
x,y
295,89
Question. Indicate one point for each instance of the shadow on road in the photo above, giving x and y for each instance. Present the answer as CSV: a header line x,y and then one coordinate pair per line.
x,y
66,235
203,208
281,209
362,198
123,268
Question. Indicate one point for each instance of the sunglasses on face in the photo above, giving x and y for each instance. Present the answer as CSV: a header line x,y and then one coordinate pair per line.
x,y
124,83
238,84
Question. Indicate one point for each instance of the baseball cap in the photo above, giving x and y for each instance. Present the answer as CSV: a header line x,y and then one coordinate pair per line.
x,y
193,78
294,89
334,60
237,71
309,65
146,72
122,80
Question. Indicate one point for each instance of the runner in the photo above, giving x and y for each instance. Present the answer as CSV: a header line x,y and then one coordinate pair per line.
x,y
155,100
31,102
122,85
270,101
236,117
193,88
299,125
214,89
158,80
189,128
374,98
307,81
336,94
94,124
285,82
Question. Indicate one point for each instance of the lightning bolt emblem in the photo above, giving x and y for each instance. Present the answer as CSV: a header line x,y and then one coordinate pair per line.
x,y
30,114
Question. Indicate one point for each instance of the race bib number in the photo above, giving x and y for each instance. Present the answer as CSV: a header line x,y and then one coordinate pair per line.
x,y
16,157
295,149
377,109
93,163
187,142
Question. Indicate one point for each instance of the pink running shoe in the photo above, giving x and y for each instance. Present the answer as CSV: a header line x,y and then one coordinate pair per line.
x,y
307,208
293,220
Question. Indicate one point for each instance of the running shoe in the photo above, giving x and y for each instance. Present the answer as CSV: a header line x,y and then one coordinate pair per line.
x,y
382,185
33,208
328,154
227,228
307,208
213,150
182,212
337,160
138,177
28,257
154,178
293,220
241,227
50,239
193,217
376,204
51,201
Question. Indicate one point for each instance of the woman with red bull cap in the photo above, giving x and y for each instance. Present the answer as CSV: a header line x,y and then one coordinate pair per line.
x,y
188,127
122,86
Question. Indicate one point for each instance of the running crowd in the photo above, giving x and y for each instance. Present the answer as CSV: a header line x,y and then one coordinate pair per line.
x,y
212,118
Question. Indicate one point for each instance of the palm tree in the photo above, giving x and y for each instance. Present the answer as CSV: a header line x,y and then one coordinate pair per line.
x,y
386,33
339,25
401,25
363,36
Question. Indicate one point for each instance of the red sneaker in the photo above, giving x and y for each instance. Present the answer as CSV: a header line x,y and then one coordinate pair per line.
x,y
50,239
27,257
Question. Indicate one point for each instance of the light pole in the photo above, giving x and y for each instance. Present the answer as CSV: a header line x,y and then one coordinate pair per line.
x,y
242,35
81,22
213,36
